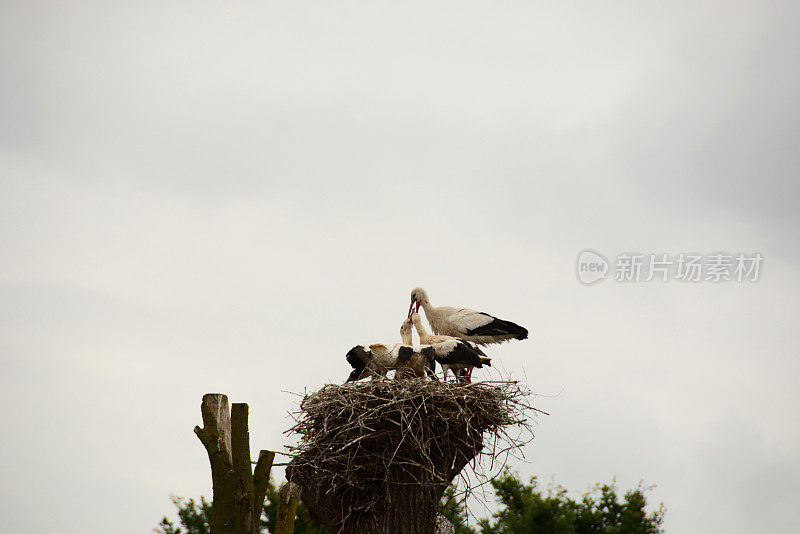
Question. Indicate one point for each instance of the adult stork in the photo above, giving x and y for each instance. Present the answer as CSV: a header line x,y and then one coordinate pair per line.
x,y
384,357
464,323
453,354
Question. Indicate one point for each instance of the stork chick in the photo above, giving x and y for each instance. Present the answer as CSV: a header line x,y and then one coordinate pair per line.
x,y
384,357
453,354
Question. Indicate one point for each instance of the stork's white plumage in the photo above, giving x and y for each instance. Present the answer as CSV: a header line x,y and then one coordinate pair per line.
x,y
384,357
451,353
464,323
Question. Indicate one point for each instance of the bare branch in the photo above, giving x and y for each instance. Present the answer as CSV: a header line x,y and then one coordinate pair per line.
x,y
370,451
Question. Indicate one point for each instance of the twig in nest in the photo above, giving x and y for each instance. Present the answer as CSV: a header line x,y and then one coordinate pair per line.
x,y
361,443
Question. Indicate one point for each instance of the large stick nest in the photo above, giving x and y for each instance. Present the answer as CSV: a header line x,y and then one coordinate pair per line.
x,y
361,442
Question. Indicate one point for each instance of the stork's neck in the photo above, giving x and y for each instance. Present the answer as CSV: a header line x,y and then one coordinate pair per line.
x,y
420,330
405,336
426,304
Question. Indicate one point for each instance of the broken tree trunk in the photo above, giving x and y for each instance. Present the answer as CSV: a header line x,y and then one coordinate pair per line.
x,y
288,500
408,504
238,492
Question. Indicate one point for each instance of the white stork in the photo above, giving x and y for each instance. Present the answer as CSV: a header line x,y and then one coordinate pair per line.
x,y
464,323
383,357
453,354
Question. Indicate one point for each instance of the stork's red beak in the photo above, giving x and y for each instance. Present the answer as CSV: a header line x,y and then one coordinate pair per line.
x,y
411,308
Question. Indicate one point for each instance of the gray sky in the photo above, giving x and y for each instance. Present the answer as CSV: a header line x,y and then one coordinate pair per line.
x,y
199,198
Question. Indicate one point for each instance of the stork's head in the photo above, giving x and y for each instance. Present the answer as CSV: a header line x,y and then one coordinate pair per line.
x,y
418,298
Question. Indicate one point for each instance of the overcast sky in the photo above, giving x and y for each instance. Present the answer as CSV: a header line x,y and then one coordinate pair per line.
x,y
199,198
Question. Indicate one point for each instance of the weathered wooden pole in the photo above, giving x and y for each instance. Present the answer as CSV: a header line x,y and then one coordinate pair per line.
x,y
260,483
238,492
288,499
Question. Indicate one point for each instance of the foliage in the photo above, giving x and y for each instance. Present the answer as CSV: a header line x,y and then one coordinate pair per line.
x,y
193,517
303,523
454,510
524,509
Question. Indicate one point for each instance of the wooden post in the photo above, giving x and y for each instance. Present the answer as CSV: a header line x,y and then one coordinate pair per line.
x,y
287,508
216,438
240,441
238,493
260,483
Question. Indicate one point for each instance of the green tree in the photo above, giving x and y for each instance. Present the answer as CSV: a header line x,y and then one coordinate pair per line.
x,y
193,516
303,523
455,511
525,508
